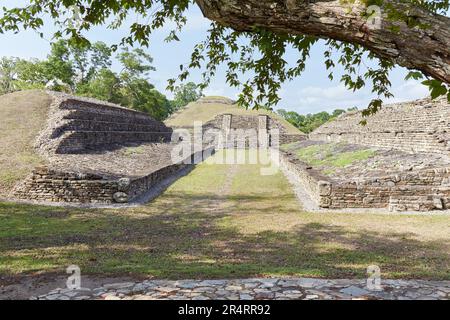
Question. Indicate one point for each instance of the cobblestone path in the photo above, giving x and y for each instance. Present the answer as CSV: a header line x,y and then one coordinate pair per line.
x,y
258,289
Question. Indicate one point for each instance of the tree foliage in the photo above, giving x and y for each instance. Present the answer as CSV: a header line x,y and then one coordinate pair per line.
x,y
8,69
85,71
255,59
310,122
185,94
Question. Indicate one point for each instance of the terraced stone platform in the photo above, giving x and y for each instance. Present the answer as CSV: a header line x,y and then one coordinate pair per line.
x,y
76,125
239,127
416,126
99,153
405,164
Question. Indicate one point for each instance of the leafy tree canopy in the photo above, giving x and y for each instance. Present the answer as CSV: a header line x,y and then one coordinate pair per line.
x,y
254,56
185,94
308,123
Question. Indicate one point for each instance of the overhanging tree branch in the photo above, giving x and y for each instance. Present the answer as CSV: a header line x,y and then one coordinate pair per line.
x,y
417,39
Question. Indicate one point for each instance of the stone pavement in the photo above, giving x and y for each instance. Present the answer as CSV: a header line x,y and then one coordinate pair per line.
x,y
258,289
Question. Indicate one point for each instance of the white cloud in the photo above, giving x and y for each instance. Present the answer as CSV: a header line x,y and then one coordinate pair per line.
x,y
224,91
409,90
197,22
314,99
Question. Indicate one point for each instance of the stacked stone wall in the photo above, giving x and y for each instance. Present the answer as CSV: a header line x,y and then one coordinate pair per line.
x,y
286,138
419,126
45,184
314,183
422,190
78,124
49,185
81,141
269,131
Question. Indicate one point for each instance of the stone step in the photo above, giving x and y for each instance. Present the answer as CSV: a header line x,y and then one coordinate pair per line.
x,y
98,106
79,141
108,126
419,198
112,117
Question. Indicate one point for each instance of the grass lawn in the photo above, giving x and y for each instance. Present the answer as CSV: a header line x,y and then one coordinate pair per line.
x,y
326,155
23,115
222,221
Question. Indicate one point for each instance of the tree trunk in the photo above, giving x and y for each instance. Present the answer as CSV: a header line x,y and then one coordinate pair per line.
x,y
425,49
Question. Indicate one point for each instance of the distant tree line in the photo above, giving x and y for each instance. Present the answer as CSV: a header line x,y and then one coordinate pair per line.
x,y
86,71
310,122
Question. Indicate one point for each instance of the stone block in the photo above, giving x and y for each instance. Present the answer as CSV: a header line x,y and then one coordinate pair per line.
x,y
123,184
325,202
438,203
324,188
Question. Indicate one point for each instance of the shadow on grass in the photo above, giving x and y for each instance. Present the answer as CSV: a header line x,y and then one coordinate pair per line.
x,y
182,237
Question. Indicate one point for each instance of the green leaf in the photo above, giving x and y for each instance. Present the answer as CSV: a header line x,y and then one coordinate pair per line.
x,y
416,75
436,87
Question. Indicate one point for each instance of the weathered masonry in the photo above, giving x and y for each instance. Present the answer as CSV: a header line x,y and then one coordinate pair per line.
x,y
418,126
99,153
78,125
423,190
237,127
419,130
49,185
244,131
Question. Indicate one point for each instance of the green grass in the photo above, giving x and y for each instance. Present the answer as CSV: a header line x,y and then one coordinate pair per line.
x,y
22,116
222,221
205,112
288,146
327,155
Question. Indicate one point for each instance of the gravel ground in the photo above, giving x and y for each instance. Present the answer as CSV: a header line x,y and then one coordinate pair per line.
x,y
130,161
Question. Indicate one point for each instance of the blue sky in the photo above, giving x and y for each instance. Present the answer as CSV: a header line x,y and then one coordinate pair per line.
x,y
312,92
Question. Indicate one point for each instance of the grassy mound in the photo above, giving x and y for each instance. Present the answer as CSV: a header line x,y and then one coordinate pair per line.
x,y
22,116
204,112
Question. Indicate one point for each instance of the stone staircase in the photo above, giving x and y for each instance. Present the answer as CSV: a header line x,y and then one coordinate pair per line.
x,y
83,144
78,125
420,126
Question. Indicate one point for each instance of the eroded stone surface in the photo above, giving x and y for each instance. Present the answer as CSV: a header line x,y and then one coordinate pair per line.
x,y
408,168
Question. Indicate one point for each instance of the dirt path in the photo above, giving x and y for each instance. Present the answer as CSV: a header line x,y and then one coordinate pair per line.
x,y
224,191
23,288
